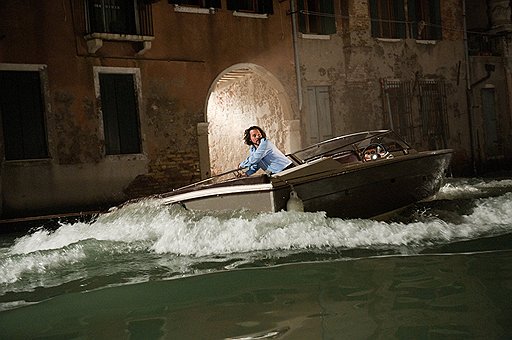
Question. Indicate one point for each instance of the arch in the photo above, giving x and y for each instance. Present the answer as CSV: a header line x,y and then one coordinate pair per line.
x,y
243,95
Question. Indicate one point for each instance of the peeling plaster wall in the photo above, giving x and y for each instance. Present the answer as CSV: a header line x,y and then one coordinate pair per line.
x,y
354,76
234,107
352,64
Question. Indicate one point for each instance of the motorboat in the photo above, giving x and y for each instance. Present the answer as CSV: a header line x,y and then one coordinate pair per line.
x,y
361,175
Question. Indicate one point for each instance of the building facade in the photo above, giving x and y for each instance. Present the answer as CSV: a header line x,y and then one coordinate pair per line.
x,y
107,100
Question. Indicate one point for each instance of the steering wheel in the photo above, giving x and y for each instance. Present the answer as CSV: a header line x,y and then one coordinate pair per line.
x,y
373,152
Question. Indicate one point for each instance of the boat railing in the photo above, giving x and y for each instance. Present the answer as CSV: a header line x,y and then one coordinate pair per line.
x,y
230,174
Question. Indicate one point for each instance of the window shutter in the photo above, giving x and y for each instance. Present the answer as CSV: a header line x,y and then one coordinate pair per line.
x,y
302,17
374,19
119,108
324,113
435,18
399,15
314,133
328,22
413,18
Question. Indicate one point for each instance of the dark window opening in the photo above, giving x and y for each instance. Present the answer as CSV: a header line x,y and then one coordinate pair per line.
x,y
22,111
387,19
425,16
251,6
112,16
132,17
484,44
197,3
317,17
120,114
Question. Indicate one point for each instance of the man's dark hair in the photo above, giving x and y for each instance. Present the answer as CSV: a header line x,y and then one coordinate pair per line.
x,y
247,135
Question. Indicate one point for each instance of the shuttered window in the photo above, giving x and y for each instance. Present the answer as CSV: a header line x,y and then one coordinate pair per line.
x,y
22,111
319,114
316,17
388,18
120,115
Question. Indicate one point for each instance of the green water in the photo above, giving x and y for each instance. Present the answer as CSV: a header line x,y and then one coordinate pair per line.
x,y
439,270
460,296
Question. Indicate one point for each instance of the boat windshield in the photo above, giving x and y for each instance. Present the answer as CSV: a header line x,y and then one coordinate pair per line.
x,y
351,143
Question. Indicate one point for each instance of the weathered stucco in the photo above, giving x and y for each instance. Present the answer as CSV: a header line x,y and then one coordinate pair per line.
x,y
232,108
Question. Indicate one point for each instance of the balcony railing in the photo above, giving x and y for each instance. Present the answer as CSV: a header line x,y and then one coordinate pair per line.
x,y
123,17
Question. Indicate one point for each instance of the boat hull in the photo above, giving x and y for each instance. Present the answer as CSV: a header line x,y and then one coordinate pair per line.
x,y
258,197
359,190
372,190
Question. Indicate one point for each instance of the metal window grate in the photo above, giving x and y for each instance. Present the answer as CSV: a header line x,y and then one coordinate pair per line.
x,y
397,107
433,111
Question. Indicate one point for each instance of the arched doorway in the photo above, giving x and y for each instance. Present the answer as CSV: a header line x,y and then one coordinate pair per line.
x,y
241,96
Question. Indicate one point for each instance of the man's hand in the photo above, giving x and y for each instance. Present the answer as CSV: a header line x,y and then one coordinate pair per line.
x,y
240,173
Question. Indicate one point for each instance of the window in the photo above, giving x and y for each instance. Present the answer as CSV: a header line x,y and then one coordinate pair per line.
x,y
319,114
388,18
131,17
197,3
120,114
316,17
425,16
433,112
251,6
112,16
397,107
22,111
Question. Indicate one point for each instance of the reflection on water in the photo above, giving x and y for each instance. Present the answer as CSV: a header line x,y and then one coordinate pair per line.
x,y
434,296
441,269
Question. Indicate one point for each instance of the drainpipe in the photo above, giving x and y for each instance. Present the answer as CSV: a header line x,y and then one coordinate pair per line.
x,y
469,94
293,11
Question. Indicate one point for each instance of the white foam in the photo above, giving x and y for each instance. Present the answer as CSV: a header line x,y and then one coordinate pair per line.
x,y
13,267
458,188
151,228
492,212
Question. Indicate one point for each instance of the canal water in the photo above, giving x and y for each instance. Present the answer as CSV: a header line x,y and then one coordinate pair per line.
x,y
441,269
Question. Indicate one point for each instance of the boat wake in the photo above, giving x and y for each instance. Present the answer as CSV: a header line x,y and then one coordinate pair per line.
x,y
146,240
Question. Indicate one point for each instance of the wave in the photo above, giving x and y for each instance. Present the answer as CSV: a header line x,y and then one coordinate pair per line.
x,y
147,228
463,188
